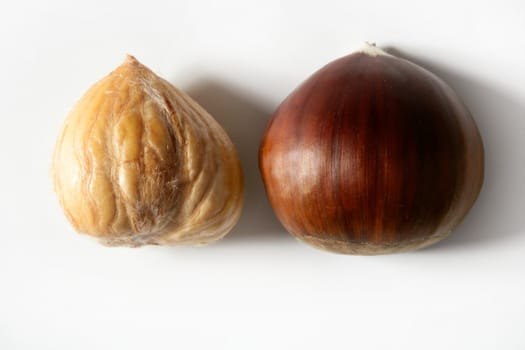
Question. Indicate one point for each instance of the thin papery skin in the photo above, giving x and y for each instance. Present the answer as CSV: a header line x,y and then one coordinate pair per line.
x,y
139,162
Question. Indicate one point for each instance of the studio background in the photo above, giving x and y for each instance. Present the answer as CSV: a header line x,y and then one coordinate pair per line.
x,y
258,288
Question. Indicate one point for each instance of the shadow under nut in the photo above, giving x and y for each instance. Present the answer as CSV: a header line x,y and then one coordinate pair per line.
x,y
139,162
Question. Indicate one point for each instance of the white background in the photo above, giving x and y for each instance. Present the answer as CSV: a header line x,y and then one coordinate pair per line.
x,y
258,288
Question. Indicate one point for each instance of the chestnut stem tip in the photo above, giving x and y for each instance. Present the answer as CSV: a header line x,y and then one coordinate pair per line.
x,y
371,49
130,59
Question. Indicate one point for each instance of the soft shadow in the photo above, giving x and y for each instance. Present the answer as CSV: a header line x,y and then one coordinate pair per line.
x,y
244,118
499,212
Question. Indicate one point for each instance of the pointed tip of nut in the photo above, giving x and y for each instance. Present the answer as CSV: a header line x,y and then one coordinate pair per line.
x,y
370,48
131,65
130,59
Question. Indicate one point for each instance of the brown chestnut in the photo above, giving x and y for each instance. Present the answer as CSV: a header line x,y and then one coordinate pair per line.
x,y
371,155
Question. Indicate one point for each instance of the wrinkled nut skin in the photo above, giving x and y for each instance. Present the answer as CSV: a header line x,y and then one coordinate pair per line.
x,y
371,155
139,162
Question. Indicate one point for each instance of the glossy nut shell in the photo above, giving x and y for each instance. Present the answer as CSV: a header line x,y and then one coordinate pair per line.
x,y
371,155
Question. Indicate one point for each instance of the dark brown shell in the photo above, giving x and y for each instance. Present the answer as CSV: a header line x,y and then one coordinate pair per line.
x,y
372,154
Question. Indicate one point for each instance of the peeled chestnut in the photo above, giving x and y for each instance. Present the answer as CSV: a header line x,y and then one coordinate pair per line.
x,y
371,155
139,162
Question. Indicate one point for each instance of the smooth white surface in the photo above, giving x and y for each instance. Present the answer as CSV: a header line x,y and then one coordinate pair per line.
x,y
258,288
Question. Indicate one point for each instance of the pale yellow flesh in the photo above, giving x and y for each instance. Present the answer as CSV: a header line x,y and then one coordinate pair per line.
x,y
139,162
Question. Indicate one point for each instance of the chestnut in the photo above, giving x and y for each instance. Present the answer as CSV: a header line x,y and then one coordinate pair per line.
x,y
372,154
138,162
